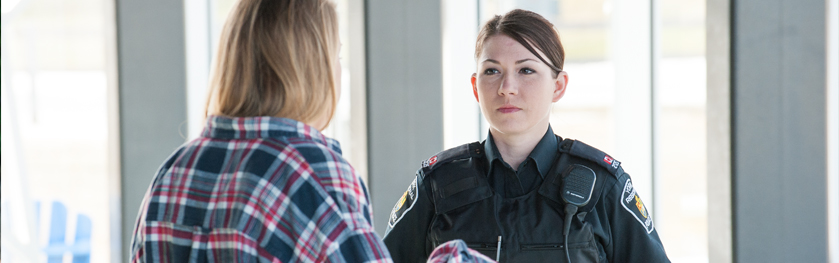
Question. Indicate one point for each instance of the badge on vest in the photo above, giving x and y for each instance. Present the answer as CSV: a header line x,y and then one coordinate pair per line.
x,y
400,209
633,204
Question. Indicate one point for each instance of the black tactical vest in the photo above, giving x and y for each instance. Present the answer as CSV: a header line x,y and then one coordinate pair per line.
x,y
530,226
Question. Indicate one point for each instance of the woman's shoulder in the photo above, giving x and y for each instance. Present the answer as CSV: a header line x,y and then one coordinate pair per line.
x,y
592,156
263,157
316,153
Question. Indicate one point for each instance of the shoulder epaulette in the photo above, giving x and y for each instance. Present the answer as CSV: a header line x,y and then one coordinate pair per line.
x,y
460,152
585,151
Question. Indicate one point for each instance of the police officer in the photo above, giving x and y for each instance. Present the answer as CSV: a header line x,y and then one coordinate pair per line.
x,y
508,197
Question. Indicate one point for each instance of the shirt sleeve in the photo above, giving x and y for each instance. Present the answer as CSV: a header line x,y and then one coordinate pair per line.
x,y
634,238
362,244
330,215
407,227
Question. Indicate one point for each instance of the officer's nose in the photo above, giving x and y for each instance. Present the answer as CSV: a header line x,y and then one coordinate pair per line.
x,y
509,86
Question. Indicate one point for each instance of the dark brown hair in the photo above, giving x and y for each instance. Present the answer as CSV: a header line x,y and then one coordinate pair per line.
x,y
529,29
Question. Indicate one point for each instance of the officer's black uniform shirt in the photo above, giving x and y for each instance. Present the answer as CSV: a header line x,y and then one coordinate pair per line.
x,y
530,173
470,193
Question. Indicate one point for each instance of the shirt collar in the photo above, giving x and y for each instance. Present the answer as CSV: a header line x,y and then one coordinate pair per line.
x,y
264,127
543,154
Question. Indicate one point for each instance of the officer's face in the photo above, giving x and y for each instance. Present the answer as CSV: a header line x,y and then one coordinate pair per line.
x,y
514,88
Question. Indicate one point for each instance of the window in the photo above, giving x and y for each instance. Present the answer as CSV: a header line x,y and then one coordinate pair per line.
x,y
833,129
681,185
57,170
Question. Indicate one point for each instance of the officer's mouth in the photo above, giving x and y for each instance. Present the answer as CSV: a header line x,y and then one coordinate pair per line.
x,y
507,108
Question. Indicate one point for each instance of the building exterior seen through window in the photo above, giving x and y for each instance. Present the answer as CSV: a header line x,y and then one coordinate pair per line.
x,y
56,182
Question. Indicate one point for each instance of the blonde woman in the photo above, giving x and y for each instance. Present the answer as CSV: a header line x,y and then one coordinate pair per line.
x,y
262,183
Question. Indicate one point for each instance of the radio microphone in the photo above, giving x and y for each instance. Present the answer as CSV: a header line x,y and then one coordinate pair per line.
x,y
577,186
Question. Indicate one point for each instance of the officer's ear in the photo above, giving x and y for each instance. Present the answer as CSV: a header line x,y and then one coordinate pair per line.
x,y
475,87
561,82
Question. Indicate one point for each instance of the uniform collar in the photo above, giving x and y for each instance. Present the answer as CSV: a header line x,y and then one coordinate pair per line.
x,y
543,154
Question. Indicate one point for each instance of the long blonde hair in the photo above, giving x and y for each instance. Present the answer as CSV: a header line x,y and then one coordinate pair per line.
x,y
276,58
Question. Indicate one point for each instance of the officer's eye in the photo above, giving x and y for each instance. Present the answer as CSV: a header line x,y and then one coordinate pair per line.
x,y
490,71
527,71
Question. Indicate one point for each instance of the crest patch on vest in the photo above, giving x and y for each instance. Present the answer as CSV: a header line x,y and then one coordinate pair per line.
x,y
633,204
399,210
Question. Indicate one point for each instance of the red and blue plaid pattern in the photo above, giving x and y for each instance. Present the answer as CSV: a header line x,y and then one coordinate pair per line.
x,y
456,251
257,189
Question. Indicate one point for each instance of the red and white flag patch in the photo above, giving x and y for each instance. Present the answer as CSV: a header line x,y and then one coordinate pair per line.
x,y
431,161
611,161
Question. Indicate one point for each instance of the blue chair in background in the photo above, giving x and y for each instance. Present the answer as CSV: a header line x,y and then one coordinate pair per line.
x,y
57,245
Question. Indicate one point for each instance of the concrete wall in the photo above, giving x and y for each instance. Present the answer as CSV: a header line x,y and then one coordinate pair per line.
x,y
767,109
152,96
404,96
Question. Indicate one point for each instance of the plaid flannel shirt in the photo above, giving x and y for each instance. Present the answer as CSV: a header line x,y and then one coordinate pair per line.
x,y
257,189
456,251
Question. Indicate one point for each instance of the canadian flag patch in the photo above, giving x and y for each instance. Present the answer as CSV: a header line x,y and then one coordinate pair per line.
x,y
431,161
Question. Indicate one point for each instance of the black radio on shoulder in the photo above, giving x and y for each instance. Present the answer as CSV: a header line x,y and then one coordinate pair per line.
x,y
577,186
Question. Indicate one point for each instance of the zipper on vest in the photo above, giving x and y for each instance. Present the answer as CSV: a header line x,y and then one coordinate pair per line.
x,y
483,246
542,246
